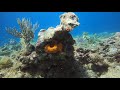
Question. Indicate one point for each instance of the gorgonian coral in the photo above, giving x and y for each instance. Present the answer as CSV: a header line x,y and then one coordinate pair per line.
x,y
27,30
26,35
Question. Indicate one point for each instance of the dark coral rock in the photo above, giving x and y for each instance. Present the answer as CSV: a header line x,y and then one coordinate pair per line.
x,y
101,68
106,47
30,48
61,69
82,55
1,75
86,51
112,42
117,58
80,50
101,44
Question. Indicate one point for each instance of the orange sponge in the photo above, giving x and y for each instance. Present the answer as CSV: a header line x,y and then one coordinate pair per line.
x,y
54,48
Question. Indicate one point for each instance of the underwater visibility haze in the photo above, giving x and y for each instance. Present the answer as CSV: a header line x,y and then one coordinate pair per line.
x,y
59,44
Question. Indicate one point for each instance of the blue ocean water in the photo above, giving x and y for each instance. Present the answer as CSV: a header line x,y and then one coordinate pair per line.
x,y
92,22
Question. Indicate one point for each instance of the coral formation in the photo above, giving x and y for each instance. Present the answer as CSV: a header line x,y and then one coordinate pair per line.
x,y
27,30
57,54
53,55
54,50
26,34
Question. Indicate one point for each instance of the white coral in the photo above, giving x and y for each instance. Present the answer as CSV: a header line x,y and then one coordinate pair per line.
x,y
71,21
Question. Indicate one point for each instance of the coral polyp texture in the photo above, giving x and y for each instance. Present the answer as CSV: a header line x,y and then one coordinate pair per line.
x,y
57,54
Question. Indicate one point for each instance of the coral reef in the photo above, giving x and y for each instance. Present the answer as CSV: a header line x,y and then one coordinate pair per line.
x,y
102,60
57,54
54,56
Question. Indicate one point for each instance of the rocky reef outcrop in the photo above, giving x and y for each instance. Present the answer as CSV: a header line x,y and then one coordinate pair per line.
x,y
53,55
57,54
54,51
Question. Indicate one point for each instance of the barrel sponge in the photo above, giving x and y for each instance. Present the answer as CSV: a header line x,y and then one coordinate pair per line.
x,y
53,48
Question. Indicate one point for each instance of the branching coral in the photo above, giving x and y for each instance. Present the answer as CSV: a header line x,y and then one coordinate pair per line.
x,y
14,32
27,30
26,34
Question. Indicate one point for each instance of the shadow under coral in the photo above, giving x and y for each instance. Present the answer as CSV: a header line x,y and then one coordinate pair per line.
x,y
53,68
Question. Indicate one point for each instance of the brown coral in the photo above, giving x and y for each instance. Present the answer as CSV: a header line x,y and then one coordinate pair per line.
x,y
53,48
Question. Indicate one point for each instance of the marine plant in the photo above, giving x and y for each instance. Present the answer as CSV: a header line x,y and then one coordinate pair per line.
x,y
27,31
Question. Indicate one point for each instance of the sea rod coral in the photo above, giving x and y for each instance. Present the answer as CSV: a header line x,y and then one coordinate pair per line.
x,y
26,34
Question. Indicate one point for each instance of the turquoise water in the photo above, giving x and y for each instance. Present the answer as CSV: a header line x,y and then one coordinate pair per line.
x,y
92,22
